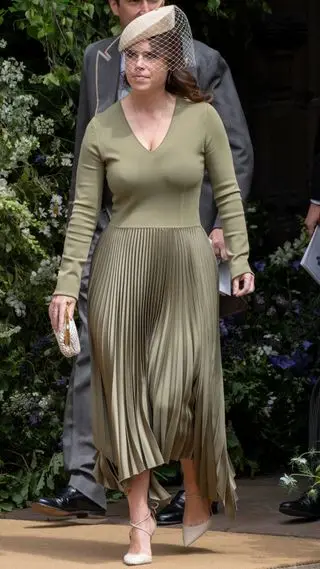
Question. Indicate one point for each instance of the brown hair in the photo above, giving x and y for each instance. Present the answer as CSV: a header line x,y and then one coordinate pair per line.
x,y
180,82
183,84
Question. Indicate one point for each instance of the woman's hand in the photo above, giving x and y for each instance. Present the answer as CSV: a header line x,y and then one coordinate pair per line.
x,y
57,310
244,284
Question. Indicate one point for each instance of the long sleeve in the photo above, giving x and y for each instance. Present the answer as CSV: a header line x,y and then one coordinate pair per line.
x,y
85,212
219,163
83,118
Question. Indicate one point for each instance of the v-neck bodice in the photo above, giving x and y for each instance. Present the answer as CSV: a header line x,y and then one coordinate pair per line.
x,y
167,133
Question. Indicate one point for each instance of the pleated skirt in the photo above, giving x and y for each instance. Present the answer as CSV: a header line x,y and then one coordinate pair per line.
x,y
157,380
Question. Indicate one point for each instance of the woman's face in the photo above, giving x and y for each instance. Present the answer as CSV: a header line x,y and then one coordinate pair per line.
x,y
145,70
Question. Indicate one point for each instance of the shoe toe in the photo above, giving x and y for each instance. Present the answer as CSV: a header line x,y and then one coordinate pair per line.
x,y
137,559
285,505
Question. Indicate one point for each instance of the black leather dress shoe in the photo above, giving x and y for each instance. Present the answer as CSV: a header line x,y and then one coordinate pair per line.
x,y
304,507
70,502
172,514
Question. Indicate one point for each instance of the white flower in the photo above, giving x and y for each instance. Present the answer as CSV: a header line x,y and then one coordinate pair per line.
x,y
52,161
44,125
23,147
46,230
3,43
288,481
25,232
47,271
65,111
11,72
299,461
271,311
313,494
42,213
45,402
5,190
56,205
268,408
66,159
259,298
18,306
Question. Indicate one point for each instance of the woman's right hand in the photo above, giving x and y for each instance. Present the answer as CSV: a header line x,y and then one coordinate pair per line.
x,y
57,310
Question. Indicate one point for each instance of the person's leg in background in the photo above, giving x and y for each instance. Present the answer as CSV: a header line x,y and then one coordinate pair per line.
x,y
83,496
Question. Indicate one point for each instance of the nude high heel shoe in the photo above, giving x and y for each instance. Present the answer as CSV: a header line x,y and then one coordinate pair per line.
x,y
192,533
140,558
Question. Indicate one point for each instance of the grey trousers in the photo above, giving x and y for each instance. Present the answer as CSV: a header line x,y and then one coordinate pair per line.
x,y
78,448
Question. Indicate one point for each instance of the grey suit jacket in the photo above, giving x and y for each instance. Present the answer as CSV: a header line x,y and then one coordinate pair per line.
x,y
99,90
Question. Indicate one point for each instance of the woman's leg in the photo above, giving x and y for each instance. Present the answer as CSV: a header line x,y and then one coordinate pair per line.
x,y
197,509
139,510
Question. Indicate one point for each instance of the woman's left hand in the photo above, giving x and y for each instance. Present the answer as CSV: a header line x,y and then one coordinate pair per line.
x,y
242,285
57,310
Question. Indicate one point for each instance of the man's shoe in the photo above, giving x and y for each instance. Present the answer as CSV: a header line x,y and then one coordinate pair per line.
x,y
172,514
304,507
70,502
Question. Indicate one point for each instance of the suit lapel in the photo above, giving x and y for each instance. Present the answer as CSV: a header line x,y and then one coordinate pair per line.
x,y
107,76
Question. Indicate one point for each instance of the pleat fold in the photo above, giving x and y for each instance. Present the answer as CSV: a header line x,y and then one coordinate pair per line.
x,y
157,381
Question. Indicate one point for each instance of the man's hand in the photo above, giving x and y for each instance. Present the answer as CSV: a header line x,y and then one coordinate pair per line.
x,y
243,285
218,244
313,218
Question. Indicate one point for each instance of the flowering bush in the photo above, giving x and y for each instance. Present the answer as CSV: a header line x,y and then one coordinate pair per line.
x,y
34,174
271,357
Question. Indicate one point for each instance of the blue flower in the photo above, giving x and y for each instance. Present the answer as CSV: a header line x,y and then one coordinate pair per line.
x,y
296,306
306,344
223,329
34,419
61,381
259,266
40,159
40,344
284,362
302,361
313,379
295,265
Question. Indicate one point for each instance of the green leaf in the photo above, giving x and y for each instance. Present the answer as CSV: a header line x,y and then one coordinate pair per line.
x,y
51,79
6,506
90,9
70,37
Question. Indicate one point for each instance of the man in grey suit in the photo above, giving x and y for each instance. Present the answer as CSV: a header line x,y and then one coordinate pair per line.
x,y
100,87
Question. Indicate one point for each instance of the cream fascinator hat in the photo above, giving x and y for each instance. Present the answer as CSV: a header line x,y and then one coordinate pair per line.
x,y
170,31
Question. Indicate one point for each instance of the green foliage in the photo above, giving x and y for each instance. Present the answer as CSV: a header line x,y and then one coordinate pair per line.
x,y
65,28
271,355
34,174
305,468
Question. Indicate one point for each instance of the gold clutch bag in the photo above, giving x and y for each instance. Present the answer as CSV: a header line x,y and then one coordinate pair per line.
x,y
68,338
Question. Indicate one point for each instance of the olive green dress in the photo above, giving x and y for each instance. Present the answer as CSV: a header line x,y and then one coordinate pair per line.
x,y
157,381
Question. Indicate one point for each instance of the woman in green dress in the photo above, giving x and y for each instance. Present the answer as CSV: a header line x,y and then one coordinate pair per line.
x,y
153,295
